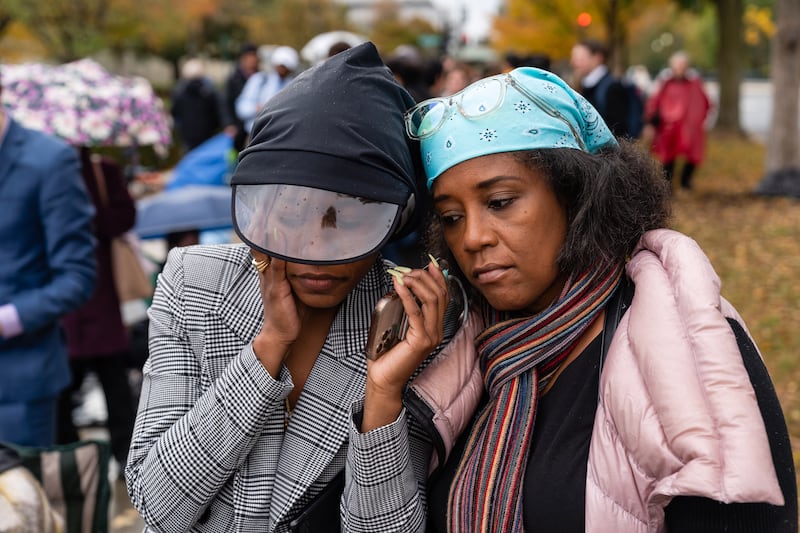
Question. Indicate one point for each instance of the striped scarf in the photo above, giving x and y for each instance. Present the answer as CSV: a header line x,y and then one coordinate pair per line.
x,y
518,356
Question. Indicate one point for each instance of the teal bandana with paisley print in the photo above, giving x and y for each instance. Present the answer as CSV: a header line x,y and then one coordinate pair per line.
x,y
525,109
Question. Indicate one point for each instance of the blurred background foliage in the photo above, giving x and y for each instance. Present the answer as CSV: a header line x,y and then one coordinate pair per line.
x,y
641,31
725,38
64,30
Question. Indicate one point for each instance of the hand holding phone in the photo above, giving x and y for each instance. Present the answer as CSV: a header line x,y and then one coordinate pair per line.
x,y
397,343
390,322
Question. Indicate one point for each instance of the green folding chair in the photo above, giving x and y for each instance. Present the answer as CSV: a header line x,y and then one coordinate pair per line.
x,y
75,479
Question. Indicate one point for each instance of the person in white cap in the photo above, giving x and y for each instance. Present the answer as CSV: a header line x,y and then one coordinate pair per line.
x,y
262,86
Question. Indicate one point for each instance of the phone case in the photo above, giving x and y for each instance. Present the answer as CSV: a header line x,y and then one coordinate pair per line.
x,y
389,326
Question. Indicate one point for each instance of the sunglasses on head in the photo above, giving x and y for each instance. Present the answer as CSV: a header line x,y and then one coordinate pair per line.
x,y
473,102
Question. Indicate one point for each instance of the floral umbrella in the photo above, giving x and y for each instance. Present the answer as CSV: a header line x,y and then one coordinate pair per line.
x,y
85,105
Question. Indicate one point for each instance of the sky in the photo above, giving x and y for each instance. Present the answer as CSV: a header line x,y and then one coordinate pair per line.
x,y
478,14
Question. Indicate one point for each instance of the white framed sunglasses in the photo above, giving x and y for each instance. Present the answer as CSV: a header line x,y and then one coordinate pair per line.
x,y
473,102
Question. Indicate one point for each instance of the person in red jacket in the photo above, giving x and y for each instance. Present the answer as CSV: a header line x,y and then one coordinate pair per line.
x,y
676,114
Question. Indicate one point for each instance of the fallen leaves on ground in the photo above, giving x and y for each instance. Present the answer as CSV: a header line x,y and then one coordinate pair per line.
x,y
754,245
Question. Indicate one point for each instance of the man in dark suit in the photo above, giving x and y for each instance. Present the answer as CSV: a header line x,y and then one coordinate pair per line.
x,y
47,268
599,86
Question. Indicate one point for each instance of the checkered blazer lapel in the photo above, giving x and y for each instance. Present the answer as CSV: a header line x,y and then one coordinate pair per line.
x,y
242,309
318,427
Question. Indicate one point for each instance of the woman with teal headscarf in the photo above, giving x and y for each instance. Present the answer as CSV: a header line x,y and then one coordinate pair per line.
x,y
622,392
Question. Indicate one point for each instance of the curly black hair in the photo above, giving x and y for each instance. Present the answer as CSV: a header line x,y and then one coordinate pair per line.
x,y
611,198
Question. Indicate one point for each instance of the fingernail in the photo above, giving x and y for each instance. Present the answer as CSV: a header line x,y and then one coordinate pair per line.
x,y
404,270
434,261
397,275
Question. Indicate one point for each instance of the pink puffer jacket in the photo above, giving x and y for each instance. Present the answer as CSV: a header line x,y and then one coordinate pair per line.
x,y
677,413
443,397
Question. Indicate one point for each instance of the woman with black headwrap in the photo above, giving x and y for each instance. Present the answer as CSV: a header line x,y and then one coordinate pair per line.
x,y
257,390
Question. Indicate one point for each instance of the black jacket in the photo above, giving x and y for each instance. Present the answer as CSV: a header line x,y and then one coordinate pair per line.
x,y
613,105
196,110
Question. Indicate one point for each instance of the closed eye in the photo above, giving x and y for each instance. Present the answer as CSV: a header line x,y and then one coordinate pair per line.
x,y
449,219
500,203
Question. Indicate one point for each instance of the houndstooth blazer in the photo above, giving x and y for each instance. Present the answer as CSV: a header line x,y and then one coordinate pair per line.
x,y
209,450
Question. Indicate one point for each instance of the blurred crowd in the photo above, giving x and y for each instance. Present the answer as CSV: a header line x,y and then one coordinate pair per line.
x,y
667,111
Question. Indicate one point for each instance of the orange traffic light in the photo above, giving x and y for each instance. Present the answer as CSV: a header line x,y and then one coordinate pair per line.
x,y
584,19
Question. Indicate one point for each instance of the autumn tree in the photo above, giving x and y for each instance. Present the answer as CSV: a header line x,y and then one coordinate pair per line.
x,y
5,19
71,29
295,22
178,28
551,26
390,30
730,54
171,29
783,146
535,27
759,29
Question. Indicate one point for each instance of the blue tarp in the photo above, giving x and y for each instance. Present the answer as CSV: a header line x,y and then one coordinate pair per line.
x,y
208,164
194,207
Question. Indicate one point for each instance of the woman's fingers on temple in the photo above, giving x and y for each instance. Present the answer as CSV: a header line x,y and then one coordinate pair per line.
x,y
278,267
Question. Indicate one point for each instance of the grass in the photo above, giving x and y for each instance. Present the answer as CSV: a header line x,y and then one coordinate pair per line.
x,y
754,244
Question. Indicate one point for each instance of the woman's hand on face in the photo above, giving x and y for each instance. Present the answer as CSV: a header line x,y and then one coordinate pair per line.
x,y
425,299
282,316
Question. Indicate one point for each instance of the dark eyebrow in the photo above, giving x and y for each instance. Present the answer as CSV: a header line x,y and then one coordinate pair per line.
x,y
486,184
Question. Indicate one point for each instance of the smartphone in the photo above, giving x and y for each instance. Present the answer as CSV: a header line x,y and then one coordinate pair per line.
x,y
390,323
389,326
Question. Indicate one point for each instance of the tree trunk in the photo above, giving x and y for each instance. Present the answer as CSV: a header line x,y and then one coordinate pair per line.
x,y
729,21
5,21
612,28
783,147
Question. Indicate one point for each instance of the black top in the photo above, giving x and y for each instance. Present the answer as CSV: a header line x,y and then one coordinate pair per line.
x,y
555,478
233,88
